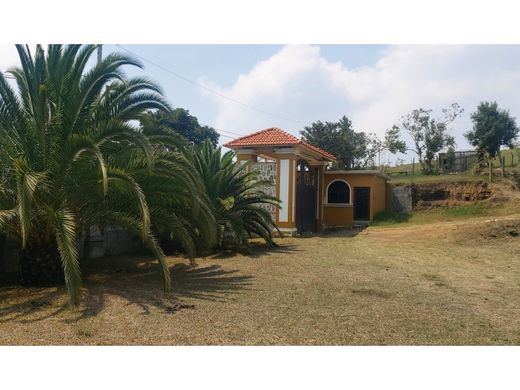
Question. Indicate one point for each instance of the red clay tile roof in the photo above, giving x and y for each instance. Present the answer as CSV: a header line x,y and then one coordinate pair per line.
x,y
274,136
319,150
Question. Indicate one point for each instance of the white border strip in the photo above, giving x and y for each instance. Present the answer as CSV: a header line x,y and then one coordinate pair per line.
x,y
283,215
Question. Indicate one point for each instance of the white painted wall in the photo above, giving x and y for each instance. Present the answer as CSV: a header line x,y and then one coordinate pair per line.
x,y
283,215
293,170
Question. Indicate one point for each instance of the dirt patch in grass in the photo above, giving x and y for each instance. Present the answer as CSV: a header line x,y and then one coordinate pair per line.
x,y
371,292
493,230
437,280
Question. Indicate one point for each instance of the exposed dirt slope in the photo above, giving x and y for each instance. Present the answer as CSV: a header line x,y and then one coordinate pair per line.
x,y
460,231
450,194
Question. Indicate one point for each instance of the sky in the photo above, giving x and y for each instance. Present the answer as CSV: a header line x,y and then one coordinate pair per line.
x,y
291,86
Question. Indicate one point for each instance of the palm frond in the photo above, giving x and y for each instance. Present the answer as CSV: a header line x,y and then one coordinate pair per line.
x,y
26,183
237,197
66,240
71,153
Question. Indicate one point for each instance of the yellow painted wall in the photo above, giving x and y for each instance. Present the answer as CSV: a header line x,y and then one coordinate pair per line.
x,y
336,216
329,215
378,193
389,192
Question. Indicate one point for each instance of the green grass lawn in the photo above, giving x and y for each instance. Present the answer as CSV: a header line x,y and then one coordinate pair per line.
x,y
512,157
420,178
416,176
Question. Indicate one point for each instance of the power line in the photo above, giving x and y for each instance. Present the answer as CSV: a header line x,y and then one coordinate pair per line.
x,y
7,76
201,124
209,89
225,135
227,131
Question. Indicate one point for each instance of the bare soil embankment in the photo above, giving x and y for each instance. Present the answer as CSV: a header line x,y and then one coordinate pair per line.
x,y
452,194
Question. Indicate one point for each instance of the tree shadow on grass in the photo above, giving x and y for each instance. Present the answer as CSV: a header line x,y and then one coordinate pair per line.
x,y
136,281
34,300
346,232
143,290
256,250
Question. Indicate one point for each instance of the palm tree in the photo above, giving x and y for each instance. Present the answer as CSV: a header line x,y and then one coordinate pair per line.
x,y
237,196
180,209
72,157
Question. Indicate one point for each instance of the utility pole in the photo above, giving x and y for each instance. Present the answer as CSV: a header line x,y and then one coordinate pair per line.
x,y
99,54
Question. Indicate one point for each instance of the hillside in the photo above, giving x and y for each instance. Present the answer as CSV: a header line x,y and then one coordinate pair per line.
x,y
509,154
457,200
407,173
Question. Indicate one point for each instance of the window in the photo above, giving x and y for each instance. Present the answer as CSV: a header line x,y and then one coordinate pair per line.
x,y
338,192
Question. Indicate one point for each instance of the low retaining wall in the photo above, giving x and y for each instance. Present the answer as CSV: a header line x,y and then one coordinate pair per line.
x,y
115,240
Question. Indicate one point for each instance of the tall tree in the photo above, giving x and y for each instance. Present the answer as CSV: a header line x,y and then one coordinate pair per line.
x,y
71,157
492,129
339,138
391,142
430,135
183,123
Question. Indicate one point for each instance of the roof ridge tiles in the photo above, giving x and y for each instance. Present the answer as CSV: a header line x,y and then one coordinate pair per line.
x,y
274,136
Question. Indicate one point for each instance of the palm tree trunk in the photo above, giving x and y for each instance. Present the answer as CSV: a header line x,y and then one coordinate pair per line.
x,y
41,265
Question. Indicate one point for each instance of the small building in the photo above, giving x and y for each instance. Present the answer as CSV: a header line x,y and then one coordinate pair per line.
x,y
460,161
354,197
313,198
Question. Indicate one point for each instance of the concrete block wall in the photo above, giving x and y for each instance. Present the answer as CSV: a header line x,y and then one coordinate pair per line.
x,y
402,199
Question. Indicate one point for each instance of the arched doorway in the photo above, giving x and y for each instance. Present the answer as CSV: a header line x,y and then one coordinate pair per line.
x,y
306,191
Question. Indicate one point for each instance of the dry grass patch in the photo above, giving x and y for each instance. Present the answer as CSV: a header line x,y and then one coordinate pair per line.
x,y
412,284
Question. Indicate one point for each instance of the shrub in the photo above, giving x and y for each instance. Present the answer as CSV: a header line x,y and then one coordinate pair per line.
x,y
237,197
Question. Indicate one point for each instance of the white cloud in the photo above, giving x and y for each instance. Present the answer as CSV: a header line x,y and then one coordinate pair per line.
x,y
8,57
298,82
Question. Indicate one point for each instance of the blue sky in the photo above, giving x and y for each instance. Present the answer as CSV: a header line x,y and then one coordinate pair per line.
x,y
222,64
374,85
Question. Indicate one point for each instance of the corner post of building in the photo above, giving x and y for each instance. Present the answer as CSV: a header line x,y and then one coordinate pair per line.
x,y
320,197
285,190
247,156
